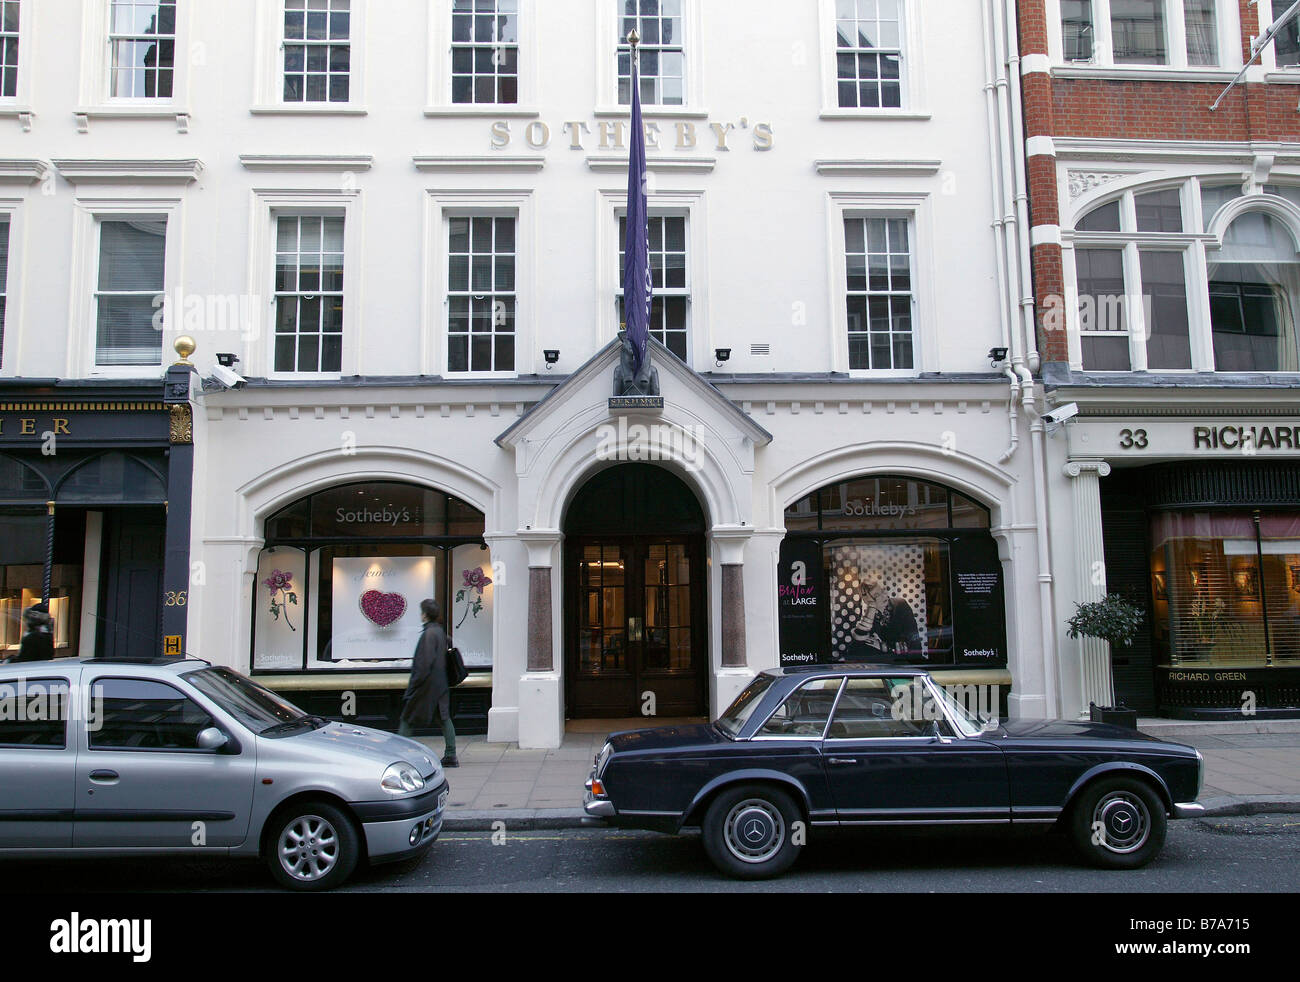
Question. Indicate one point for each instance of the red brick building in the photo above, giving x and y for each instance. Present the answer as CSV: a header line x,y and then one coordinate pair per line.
x,y
1165,243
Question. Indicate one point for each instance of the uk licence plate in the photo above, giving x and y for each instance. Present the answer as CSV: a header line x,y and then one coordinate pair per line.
x,y
442,799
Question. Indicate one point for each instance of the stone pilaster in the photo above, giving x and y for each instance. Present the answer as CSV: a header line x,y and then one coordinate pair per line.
x,y
1090,573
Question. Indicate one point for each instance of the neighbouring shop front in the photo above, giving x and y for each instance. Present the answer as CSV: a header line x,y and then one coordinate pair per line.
x,y
1211,551
336,600
886,569
88,524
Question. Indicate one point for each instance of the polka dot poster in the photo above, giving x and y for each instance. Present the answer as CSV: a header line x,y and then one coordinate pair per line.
x,y
898,568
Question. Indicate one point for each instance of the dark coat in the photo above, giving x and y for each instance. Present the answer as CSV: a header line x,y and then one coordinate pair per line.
x,y
428,686
36,646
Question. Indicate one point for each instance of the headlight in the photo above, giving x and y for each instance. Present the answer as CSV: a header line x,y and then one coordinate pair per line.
x,y
401,778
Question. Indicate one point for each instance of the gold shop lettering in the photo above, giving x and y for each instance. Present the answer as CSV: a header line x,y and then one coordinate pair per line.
x,y
26,426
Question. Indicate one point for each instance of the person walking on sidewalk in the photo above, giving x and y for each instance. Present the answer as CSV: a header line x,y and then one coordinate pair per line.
x,y
428,696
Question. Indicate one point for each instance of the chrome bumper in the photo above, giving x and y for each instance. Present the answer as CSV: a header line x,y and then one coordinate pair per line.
x,y
596,807
1189,809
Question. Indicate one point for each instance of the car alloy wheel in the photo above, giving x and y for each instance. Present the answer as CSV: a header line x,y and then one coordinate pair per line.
x,y
1118,823
1121,821
312,846
754,830
308,848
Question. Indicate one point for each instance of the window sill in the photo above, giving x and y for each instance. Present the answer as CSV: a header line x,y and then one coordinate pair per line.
x,y
22,113
1288,75
322,109
650,112
1152,73
132,110
482,110
838,113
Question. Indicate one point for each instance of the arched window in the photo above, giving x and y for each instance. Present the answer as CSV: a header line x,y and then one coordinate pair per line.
x,y
344,570
1254,283
1153,295
889,569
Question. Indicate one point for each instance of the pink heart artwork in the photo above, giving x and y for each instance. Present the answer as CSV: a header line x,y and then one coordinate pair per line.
x,y
382,608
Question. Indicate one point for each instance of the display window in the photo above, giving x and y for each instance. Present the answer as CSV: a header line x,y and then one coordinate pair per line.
x,y
889,570
1226,587
341,579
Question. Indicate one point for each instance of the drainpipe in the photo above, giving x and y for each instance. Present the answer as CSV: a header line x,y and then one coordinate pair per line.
x,y
1002,259
1024,363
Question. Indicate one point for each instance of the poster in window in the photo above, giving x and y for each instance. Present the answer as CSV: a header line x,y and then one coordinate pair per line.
x,y
979,611
470,620
280,618
800,602
878,602
376,609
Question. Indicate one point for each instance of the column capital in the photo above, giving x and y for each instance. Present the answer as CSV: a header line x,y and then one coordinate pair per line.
x,y
1077,468
731,541
540,544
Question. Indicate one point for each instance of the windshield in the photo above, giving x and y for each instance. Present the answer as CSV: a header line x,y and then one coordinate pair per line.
x,y
256,707
739,712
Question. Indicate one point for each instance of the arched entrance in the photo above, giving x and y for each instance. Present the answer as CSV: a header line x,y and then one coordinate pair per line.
x,y
635,618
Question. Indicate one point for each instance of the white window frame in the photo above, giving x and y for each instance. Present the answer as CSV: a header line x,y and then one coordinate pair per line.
x,y
439,86
95,92
1194,244
11,212
689,205
268,207
1268,58
439,206
916,208
911,71
18,102
83,309
268,74
608,20
1227,23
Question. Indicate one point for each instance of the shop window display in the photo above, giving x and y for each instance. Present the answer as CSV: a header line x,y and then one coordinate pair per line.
x,y
890,570
340,582
1226,588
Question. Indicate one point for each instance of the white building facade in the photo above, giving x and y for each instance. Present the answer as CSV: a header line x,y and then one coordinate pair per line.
x,y
402,219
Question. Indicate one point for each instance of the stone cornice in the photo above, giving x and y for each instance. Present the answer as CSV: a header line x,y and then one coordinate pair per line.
x,y
137,171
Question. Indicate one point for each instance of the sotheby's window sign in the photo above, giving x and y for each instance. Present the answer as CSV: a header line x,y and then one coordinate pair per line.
x,y
470,620
281,614
799,602
376,606
900,601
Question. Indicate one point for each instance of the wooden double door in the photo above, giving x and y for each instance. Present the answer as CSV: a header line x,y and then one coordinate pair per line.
x,y
636,639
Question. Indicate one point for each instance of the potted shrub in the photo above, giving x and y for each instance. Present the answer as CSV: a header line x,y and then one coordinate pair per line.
x,y
1117,622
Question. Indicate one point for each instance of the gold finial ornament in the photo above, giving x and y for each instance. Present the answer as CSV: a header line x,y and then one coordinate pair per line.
x,y
634,38
184,347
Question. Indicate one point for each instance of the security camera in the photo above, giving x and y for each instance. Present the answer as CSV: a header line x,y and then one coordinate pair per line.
x,y
1061,413
228,377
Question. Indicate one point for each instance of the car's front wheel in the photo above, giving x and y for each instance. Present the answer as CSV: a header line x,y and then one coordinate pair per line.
x,y
313,846
753,832
1118,823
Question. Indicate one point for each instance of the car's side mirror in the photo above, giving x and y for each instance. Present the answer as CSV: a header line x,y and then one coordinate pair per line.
x,y
211,739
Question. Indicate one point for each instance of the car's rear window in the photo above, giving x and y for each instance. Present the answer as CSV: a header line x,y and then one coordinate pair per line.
x,y
733,720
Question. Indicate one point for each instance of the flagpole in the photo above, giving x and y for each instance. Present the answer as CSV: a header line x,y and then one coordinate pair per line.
x,y
1257,48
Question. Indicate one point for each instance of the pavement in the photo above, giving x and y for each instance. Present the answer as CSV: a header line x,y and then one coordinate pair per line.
x,y
1251,767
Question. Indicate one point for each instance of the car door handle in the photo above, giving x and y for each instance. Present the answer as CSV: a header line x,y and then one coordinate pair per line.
x,y
104,777
841,760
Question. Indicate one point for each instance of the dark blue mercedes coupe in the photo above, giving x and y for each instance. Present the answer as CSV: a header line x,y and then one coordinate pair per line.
x,y
860,745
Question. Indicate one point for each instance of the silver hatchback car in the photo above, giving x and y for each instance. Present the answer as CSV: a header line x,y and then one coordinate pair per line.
x,y
117,758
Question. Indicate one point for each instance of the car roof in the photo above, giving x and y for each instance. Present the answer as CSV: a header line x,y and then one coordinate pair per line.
x,y
846,668
152,666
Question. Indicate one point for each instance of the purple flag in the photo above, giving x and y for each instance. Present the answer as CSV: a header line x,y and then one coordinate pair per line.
x,y
637,285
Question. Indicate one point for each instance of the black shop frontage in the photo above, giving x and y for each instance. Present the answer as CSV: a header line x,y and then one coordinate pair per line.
x,y
95,490
1217,572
